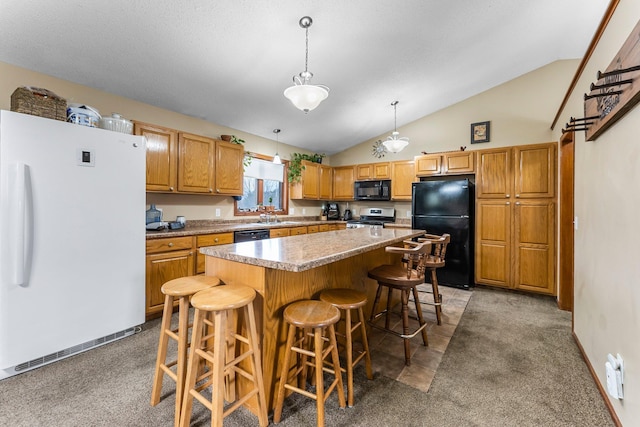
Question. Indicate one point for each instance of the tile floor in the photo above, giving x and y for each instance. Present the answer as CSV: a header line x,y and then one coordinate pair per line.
x,y
387,350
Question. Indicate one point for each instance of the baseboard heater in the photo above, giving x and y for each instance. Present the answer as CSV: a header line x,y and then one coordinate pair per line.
x,y
54,357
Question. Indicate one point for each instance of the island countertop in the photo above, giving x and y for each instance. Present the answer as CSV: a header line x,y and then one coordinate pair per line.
x,y
307,251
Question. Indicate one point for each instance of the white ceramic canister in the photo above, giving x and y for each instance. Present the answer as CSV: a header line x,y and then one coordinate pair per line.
x,y
84,115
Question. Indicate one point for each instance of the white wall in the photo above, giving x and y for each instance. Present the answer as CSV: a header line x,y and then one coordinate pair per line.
x,y
607,248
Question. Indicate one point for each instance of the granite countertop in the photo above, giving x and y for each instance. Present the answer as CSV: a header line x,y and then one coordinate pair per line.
x,y
197,227
307,251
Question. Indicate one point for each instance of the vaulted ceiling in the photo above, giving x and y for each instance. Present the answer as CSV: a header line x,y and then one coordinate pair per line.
x,y
228,61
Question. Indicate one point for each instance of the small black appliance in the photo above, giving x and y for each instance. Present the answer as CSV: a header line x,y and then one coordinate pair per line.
x,y
333,212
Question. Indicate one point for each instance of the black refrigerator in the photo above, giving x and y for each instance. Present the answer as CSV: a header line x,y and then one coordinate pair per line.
x,y
446,206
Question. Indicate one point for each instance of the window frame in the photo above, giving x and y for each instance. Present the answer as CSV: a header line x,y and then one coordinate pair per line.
x,y
285,189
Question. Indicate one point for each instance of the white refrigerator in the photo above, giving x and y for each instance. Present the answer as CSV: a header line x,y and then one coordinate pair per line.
x,y
72,239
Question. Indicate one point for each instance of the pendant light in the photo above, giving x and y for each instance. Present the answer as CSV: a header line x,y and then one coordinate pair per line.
x,y
276,158
303,94
394,143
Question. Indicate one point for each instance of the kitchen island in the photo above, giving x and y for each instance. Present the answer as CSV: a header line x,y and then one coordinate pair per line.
x,y
289,269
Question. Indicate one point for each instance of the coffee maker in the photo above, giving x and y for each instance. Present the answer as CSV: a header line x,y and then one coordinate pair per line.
x,y
333,212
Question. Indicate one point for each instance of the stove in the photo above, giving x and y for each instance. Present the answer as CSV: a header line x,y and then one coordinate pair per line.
x,y
373,216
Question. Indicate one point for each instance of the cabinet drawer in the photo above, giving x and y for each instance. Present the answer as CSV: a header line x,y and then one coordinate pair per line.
x,y
298,230
312,229
324,227
278,232
214,239
169,244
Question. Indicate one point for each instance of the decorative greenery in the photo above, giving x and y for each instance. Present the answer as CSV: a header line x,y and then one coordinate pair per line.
x,y
236,140
296,167
246,160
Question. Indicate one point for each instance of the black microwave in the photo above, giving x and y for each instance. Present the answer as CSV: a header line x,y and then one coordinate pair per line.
x,y
372,190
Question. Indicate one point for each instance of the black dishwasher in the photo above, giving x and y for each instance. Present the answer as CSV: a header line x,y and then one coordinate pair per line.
x,y
249,235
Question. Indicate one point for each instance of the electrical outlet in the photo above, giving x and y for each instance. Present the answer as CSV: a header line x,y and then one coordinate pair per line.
x,y
292,210
217,211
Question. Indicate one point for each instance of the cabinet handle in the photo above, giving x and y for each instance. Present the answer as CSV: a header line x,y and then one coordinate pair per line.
x,y
215,240
211,190
217,190
170,245
171,188
517,195
190,253
517,203
508,203
507,196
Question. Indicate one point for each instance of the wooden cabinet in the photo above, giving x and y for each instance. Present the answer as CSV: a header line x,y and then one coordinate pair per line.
x,y
402,176
515,218
343,178
373,171
450,163
295,231
278,232
229,168
209,240
195,163
325,184
315,182
161,156
186,163
166,259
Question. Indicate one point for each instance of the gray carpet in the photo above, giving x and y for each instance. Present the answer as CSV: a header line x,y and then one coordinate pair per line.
x,y
511,362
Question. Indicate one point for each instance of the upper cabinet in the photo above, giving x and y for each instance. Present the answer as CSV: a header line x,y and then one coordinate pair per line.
x,y
195,163
455,162
373,171
229,168
526,171
402,176
162,156
179,162
316,182
343,178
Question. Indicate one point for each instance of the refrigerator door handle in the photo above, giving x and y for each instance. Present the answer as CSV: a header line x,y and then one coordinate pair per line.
x,y
19,240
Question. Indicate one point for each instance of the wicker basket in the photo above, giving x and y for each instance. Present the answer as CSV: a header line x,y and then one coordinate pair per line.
x,y
39,102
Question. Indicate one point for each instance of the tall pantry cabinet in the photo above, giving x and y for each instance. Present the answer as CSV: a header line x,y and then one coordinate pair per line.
x,y
515,218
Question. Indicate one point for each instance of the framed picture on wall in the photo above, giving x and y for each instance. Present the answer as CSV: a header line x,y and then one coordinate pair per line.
x,y
480,132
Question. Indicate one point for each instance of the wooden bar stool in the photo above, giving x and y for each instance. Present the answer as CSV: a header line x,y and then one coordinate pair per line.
x,y
182,288
347,300
434,261
404,276
317,316
221,301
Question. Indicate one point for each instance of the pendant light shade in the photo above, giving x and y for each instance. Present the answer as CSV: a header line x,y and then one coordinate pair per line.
x,y
276,158
303,94
395,143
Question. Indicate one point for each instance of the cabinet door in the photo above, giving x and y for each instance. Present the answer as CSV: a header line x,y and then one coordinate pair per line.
x,y
534,246
160,269
195,163
343,178
364,171
326,182
535,171
161,156
310,183
493,243
381,170
430,164
494,174
402,175
295,231
278,232
229,168
458,162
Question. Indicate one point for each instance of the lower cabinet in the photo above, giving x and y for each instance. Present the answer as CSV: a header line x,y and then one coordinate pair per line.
x,y
166,259
519,235
209,240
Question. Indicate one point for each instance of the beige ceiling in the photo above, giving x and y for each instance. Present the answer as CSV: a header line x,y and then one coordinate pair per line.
x,y
228,61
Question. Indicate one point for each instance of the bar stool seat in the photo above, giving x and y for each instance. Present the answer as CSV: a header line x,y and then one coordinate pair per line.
x,y
347,300
404,276
182,289
310,315
221,301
